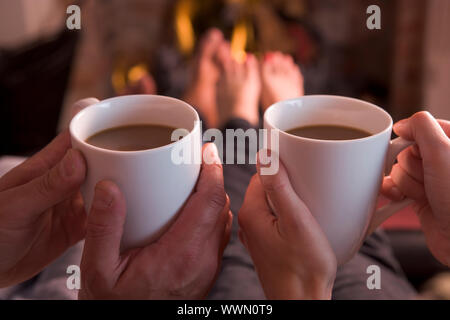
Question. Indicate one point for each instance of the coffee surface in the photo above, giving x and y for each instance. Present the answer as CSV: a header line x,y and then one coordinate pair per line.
x,y
132,137
329,132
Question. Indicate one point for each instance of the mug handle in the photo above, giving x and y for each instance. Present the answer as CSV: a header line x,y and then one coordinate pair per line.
x,y
383,213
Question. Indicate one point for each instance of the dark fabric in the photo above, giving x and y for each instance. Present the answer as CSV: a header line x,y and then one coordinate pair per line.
x,y
351,278
238,279
409,247
33,81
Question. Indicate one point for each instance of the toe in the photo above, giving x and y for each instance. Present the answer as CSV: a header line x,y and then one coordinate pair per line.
x,y
251,64
210,43
224,56
286,64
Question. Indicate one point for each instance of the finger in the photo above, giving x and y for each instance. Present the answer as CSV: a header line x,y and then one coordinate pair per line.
x,y
415,151
445,125
81,104
424,130
227,232
390,190
104,229
282,198
255,208
57,184
204,209
411,164
68,224
255,218
222,234
410,187
38,164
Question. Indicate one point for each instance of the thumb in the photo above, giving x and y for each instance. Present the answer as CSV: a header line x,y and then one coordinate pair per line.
x,y
283,200
424,129
104,229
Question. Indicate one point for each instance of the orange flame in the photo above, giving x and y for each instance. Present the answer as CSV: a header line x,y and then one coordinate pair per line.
x,y
183,26
121,77
238,42
137,72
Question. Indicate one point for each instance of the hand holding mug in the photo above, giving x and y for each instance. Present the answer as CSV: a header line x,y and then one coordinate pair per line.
x,y
423,174
338,178
181,264
41,210
291,253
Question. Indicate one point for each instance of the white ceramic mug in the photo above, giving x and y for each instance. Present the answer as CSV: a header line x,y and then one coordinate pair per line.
x,y
155,187
339,180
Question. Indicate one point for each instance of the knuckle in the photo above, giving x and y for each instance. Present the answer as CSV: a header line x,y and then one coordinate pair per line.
x,y
46,184
421,116
99,230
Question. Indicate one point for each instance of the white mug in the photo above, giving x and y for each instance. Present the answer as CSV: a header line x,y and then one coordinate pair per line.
x,y
339,180
154,186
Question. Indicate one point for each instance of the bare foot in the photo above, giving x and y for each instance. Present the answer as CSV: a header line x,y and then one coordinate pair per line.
x,y
281,79
239,88
201,92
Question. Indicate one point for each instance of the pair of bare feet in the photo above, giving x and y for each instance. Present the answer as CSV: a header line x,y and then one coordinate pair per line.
x,y
223,88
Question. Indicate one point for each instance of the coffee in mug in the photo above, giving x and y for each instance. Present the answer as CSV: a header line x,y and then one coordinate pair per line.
x,y
338,180
132,137
329,132
154,185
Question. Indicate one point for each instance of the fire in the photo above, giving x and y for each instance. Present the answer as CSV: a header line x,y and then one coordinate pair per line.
x,y
137,72
183,26
238,42
121,77
118,80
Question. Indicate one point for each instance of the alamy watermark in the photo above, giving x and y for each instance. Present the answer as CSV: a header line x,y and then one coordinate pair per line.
x,y
73,281
374,20
73,21
374,280
235,146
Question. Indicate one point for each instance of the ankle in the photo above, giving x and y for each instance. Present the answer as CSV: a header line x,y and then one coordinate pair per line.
x,y
246,109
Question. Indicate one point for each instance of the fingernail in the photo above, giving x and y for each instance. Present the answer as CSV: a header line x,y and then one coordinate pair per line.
x,y
68,164
396,194
264,158
102,198
213,154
